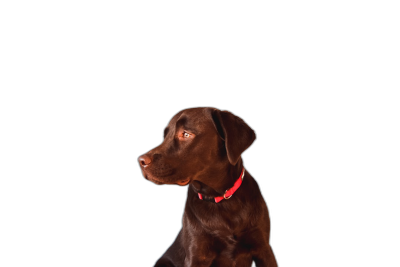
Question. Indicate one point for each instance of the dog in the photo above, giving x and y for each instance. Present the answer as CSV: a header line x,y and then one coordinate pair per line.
x,y
226,220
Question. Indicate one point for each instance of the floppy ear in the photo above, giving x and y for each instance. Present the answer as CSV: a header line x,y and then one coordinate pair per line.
x,y
238,136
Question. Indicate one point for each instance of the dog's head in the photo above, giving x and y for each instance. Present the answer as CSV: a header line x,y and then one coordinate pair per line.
x,y
198,143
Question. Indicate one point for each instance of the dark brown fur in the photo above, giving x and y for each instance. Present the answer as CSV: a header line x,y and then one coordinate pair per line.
x,y
233,232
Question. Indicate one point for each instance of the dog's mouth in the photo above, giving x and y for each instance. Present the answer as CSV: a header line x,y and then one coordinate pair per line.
x,y
183,182
154,180
166,181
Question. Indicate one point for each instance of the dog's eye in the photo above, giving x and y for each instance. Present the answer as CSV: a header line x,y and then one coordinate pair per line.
x,y
185,136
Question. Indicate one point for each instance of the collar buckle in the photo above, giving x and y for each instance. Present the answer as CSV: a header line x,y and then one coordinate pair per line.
x,y
229,196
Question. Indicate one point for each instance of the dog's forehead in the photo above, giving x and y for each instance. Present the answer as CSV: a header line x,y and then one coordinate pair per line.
x,y
193,117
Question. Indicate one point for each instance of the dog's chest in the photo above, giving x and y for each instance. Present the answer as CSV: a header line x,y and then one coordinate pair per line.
x,y
228,222
227,231
231,250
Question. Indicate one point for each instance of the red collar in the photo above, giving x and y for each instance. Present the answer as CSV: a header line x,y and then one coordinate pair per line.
x,y
228,193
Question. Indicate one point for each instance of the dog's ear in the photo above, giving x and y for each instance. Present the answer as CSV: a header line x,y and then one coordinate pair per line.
x,y
238,136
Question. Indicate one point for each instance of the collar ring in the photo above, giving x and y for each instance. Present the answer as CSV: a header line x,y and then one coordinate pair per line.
x,y
227,197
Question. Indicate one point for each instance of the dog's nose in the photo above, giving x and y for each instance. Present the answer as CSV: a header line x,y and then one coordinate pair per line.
x,y
144,160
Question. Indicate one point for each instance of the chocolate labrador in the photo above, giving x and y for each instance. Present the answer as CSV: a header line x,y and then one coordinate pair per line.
x,y
226,221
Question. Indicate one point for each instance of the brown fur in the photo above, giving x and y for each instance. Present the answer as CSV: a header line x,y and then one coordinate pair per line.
x,y
234,232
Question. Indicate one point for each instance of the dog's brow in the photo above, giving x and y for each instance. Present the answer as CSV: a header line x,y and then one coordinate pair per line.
x,y
166,130
181,122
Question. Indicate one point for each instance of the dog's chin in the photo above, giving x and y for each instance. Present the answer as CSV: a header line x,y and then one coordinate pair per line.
x,y
157,182
167,181
154,180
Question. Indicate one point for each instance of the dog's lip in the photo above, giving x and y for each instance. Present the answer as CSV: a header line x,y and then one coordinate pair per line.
x,y
152,179
155,181
183,182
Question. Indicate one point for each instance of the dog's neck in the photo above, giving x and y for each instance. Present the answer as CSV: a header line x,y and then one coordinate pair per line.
x,y
208,192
